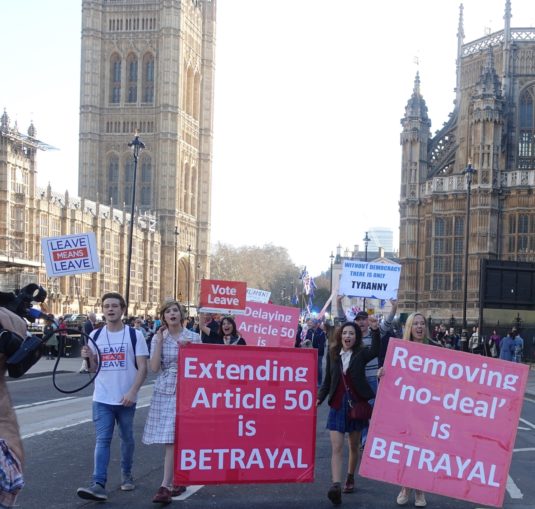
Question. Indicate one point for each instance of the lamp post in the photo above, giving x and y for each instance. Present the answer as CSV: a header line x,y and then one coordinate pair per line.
x,y
331,290
137,145
517,322
469,172
177,233
189,270
366,240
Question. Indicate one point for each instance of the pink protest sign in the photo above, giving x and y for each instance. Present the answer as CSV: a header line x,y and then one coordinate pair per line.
x,y
268,325
445,422
245,415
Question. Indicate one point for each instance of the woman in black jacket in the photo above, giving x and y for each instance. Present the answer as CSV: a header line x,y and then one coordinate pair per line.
x,y
226,335
346,362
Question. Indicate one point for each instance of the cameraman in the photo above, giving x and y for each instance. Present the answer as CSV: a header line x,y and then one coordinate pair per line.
x,y
11,452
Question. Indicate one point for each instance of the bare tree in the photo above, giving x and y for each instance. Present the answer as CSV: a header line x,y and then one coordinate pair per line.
x,y
268,268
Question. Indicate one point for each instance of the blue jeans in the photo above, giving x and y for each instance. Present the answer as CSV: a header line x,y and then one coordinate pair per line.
x,y
372,380
105,416
320,370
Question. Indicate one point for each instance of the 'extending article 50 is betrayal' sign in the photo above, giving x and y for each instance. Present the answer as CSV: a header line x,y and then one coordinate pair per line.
x,y
245,415
70,254
369,279
445,422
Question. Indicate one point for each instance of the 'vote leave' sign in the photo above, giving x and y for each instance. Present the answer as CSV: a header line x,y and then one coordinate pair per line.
x,y
245,415
226,297
445,422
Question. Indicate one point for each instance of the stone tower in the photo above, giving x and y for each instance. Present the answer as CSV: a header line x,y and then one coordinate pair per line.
x,y
492,128
147,66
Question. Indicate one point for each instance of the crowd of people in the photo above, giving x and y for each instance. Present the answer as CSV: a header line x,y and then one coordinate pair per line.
x,y
350,366
509,347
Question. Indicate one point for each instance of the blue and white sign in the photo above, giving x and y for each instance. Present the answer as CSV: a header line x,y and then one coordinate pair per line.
x,y
370,280
255,295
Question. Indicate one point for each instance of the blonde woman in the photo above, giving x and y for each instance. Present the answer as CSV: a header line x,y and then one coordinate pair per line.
x,y
160,425
415,330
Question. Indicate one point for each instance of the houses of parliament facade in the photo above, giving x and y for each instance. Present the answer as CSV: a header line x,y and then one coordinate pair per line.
x,y
491,130
147,68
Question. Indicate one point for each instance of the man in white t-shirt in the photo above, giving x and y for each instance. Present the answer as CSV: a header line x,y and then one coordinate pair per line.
x,y
122,373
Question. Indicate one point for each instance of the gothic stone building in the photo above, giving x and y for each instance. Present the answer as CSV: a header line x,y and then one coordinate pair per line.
x,y
492,127
148,66
28,214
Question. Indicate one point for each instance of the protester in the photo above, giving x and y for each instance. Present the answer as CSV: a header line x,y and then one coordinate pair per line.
x,y
207,325
507,347
122,373
518,347
345,367
88,327
52,343
160,425
473,342
11,451
494,343
138,325
386,330
317,338
415,330
227,334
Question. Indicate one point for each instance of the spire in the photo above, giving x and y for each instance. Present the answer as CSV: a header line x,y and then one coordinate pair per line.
x,y
489,84
4,122
507,49
31,130
416,106
460,39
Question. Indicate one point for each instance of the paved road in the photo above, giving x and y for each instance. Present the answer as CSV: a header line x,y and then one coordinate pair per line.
x,y
59,439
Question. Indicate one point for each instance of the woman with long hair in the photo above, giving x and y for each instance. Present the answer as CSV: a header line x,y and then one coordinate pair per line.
x,y
160,425
226,335
415,330
345,376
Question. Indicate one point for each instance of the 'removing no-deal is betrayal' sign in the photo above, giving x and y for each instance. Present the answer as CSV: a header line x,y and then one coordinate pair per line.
x,y
70,254
227,297
369,279
445,422
245,414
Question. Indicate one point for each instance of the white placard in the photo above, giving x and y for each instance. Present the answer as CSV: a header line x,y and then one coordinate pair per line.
x,y
70,254
255,295
370,279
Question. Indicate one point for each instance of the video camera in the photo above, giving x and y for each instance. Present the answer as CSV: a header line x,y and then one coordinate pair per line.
x,y
22,353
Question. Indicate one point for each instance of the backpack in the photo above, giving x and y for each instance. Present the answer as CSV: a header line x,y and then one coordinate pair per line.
x,y
133,339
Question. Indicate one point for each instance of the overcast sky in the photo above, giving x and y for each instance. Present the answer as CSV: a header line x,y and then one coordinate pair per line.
x,y
309,97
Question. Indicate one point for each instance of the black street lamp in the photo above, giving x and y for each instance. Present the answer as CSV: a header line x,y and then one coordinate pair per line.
x,y
189,270
177,233
137,145
517,322
366,241
331,290
469,172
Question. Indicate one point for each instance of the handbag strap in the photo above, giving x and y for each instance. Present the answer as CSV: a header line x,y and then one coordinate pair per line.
x,y
348,390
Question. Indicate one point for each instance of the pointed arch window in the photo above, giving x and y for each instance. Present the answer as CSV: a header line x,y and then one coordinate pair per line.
x,y
131,65
146,179
148,78
526,126
115,79
113,178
